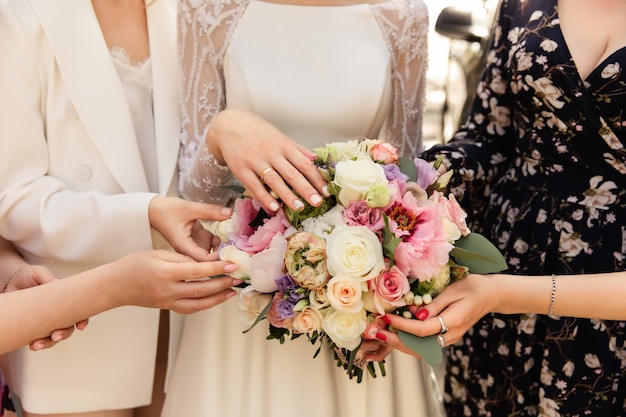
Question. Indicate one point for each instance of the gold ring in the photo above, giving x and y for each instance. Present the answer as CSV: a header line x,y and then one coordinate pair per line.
x,y
444,328
264,173
441,340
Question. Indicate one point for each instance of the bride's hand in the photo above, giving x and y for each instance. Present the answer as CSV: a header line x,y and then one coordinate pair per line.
x,y
258,154
177,221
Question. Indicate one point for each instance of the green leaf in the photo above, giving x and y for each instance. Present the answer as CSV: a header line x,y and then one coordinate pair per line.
x,y
261,317
427,347
478,254
408,168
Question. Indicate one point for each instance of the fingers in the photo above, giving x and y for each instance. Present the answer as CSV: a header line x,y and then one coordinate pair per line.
x,y
54,338
201,295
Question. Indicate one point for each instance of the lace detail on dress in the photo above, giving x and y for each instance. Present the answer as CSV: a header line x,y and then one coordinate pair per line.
x,y
134,72
205,30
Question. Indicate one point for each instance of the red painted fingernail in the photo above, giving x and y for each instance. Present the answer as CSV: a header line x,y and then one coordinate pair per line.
x,y
386,319
381,336
422,314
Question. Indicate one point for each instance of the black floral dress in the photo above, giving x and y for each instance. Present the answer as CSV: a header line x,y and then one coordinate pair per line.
x,y
540,165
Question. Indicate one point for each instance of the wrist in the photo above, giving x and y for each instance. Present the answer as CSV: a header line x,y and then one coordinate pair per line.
x,y
11,277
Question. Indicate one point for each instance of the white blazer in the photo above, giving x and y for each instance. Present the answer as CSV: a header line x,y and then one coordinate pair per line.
x,y
73,193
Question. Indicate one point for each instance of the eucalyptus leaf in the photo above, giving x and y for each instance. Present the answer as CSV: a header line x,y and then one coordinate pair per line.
x,y
408,168
236,188
427,347
478,254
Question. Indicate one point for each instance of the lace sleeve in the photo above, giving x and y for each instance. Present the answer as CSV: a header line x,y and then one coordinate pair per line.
x,y
204,29
404,24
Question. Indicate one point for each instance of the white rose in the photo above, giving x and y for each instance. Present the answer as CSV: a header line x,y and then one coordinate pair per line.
x,y
345,329
354,251
344,294
240,258
309,320
318,298
251,304
354,178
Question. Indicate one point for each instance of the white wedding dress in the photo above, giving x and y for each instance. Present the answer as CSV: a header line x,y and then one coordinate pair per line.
x,y
320,74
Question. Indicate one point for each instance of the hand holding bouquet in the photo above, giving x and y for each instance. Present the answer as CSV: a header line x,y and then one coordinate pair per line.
x,y
387,240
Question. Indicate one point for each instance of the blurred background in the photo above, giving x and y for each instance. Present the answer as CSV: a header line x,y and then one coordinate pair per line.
x,y
459,33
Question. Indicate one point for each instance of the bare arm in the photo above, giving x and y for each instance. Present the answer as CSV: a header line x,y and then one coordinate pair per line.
x,y
157,279
462,304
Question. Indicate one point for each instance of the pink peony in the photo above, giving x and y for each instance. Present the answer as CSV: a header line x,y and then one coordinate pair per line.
x,y
426,250
260,239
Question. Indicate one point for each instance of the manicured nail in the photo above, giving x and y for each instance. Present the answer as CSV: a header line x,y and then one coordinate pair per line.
x,y
325,191
231,294
299,204
386,319
274,206
316,199
422,314
237,281
230,268
56,337
38,346
226,211
381,336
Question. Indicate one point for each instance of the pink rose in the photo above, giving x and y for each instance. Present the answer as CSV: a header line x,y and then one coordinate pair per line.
x,y
457,214
374,325
275,318
386,291
384,153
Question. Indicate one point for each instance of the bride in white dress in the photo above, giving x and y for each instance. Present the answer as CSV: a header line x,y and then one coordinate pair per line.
x,y
320,73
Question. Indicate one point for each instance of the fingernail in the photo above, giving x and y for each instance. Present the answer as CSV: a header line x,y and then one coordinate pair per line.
x,y
274,206
56,337
386,319
38,346
381,336
226,211
230,268
422,314
316,199
231,294
325,191
237,282
299,204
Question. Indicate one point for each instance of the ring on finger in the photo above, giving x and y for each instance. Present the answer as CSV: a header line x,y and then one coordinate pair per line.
x,y
441,340
444,328
264,173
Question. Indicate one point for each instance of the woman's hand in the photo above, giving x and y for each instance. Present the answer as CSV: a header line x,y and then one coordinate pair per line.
x,y
460,306
168,280
177,221
258,154
31,276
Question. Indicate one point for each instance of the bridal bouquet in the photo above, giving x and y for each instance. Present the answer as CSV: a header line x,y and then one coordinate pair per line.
x,y
387,240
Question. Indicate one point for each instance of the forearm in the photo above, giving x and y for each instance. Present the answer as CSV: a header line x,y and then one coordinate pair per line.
x,y
582,295
35,312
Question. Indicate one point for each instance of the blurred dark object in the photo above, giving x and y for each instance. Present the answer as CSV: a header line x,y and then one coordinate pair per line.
x,y
469,29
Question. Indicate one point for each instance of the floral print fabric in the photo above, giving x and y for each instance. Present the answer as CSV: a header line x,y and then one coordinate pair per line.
x,y
541,166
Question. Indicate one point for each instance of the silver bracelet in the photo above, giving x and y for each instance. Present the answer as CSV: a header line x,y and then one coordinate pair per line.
x,y
6,284
552,295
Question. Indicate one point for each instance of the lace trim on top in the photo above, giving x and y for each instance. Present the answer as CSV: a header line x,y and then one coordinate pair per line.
x,y
131,71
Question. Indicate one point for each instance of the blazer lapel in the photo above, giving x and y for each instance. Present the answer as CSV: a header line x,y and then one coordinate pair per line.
x,y
166,86
92,83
